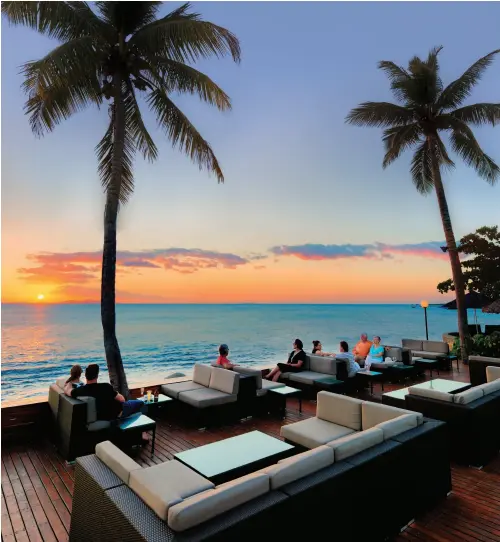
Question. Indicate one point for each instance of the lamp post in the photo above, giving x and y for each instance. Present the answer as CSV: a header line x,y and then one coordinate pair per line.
x,y
424,305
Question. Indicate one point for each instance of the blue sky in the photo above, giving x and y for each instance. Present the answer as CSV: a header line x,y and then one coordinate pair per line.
x,y
295,173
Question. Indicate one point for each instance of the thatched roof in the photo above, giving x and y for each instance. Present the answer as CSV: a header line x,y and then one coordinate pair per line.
x,y
493,308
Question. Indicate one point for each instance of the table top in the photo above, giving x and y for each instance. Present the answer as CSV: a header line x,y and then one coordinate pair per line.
x,y
439,384
328,380
423,360
368,373
232,453
137,421
284,390
161,399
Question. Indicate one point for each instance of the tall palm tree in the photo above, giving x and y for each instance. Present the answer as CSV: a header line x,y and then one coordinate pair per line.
x,y
425,111
117,53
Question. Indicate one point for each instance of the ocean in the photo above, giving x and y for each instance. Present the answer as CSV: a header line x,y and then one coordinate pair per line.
x,y
41,342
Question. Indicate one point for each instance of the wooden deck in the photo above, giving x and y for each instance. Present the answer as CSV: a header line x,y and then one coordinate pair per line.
x,y
37,485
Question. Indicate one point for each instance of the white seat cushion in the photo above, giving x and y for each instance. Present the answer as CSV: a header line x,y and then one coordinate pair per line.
x,y
307,377
120,463
225,381
201,374
313,432
339,409
394,427
468,396
61,382
490,387
173,390
206,397
375,413
492,373
300,465
206,505
162,486
354,443
269,385
431,394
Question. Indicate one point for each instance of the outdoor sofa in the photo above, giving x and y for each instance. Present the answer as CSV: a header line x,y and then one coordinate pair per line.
x,y
427,349
477,368
472,417
334,487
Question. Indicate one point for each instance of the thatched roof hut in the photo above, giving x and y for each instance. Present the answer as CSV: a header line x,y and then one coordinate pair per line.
x,y
493,308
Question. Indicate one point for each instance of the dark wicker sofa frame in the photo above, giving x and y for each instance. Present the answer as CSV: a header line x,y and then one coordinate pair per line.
x,y
409,473
477,368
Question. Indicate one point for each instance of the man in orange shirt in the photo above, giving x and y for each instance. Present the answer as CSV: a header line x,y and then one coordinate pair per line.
x,y
361,350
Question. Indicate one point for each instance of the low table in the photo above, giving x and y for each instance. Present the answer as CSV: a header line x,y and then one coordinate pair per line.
x,y
427,364
371,377
154,406
282,393
397,398
231,458
329,383
137,424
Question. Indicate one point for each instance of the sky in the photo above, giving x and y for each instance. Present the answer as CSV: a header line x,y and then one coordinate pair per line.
x,y
306,213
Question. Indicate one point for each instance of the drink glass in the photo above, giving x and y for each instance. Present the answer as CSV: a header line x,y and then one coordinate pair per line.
x,y
149,395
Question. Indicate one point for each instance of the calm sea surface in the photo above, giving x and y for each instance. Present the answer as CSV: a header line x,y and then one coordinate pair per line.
x,y
42,342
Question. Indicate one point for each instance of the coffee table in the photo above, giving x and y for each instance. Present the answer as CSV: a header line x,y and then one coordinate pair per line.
x,y
231,458
282,394
371,376
427,364
397,398
154,406
329,383
137,424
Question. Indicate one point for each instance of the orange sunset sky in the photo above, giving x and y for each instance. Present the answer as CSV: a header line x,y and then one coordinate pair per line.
x,y
307,214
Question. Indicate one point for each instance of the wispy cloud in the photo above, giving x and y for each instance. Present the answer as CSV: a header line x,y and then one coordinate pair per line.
x,y
429,249
83,267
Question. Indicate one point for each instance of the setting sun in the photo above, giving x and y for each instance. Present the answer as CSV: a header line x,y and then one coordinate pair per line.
x,y
40,297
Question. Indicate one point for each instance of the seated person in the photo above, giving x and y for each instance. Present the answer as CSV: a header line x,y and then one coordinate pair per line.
x,y
73,380
109,403
352,366
222,360
362,349
318,350
294,364
376,353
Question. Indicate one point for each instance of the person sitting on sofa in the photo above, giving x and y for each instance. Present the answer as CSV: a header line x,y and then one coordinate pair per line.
x,y
294,364
222,360
74,379
362,349
109,403
318,349
376,353
352,365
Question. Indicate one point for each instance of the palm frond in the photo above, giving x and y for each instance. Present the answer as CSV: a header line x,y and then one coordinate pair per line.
x,y
398,139
184,37
62,83
478,114
421,168
178,77
401,81
138,131
457,91
128,16
380,114
60,20
105,154
466,146
182,133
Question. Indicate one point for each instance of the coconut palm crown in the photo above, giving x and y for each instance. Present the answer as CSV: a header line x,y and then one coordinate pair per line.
x,y
427,110
122,54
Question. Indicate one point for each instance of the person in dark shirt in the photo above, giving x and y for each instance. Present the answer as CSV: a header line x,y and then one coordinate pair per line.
x,y
294,364
109,403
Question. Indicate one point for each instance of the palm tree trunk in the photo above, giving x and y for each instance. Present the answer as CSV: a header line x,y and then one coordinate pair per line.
x,y
108,283
456,267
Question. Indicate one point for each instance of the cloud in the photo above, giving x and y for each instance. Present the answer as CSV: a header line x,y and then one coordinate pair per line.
x,y
377,251
86,294
84,267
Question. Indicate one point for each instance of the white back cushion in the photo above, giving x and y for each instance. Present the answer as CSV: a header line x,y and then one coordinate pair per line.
x,y
339,409
224,380
206,505
354,443
492,373
432,394
201,374
490,387
394,427
120,463
375,413
468,396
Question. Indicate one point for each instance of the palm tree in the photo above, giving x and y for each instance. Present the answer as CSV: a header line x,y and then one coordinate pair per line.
x,y
118,53
427,110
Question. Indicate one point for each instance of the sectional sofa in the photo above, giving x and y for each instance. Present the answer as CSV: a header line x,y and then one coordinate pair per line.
x,y
314,368
472,417
325,489
426,349
477,368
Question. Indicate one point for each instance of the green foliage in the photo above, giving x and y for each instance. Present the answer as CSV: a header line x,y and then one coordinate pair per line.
x,y
425,110
480,345
481,267
121,51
